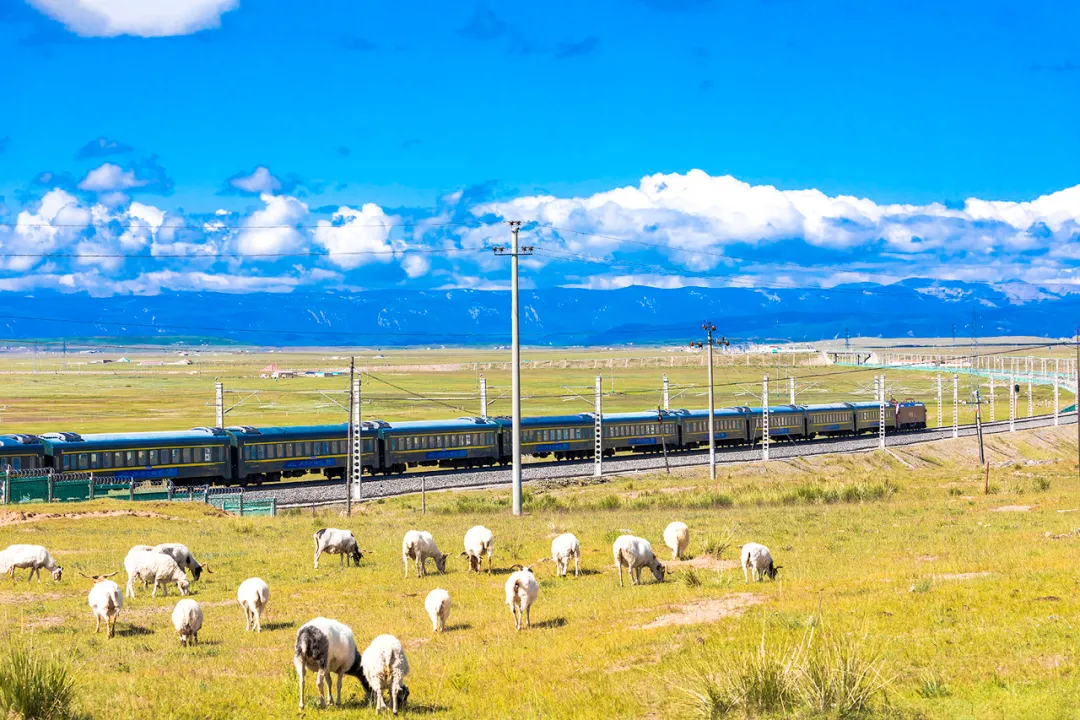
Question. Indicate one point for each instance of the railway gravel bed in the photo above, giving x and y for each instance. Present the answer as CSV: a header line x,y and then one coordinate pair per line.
x,y
305,494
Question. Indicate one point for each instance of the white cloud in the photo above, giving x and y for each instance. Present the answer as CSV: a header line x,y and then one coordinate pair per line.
x,y
59,220
415,266
108,177
259,181
352,232
143,18
272,230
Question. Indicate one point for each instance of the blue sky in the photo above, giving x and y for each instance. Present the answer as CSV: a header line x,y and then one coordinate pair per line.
x,y
707,142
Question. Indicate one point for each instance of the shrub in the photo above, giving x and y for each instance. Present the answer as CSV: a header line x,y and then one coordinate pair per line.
x,y
34,687
933,686
1040,484
690,577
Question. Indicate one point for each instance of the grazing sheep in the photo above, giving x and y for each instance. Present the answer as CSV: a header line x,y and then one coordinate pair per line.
x,y
34,557
677,537
385,665
757,559
105,601
419,546
327,646
636,553
437,605
253,594
521,592
337,542
183,558
155,567
479,541
187,618
563,548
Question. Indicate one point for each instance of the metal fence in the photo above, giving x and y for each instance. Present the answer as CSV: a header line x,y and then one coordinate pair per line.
x,y
45,486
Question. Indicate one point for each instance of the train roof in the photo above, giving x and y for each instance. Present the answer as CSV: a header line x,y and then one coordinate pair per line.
x,y
866,404
778,410
582,419
456,425
301,431
827,406
202,435
649,416
719,412
20,441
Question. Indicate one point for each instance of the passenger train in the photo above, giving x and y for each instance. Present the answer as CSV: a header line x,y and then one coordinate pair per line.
x,y
252,455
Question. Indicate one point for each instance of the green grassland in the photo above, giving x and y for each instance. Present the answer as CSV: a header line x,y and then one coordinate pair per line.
x,y
50,392
962,605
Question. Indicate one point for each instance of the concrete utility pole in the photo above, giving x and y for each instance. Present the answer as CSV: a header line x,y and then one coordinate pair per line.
x,y
1057,380
940,417
667,397
766,436
956,405
598,429
515,358
1076,398
992,415
791,389
881,413
219,405
483,397
1012,402
709,328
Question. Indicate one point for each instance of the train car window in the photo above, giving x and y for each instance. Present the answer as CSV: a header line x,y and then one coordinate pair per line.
x,y
93,461
152,455
280,450
288,449
186,455
118,460
106,460
83,461
261,450
65,461
142,457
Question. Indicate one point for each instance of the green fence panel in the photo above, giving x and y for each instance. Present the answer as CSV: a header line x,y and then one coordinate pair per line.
x,y
25,490
164,495
71,491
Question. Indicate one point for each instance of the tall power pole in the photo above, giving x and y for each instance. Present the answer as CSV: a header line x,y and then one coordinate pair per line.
x,y
515,358
709,329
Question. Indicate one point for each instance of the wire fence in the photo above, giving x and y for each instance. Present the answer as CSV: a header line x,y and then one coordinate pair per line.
x,y
18,487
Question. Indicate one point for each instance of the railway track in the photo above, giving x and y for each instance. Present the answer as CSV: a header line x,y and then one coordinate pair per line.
x,y
317,492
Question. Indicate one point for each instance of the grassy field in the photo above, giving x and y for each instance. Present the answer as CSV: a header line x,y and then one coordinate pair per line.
x,y
50,392
896,565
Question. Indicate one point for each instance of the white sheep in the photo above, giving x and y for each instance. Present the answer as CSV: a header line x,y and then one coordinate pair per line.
x,y
155,567
677,537
34,557
636,553
437,605
106,601
183,558
479,541
756,559
253,594
385,666
337,542
327,646
418,545
521,592
187,618
563,548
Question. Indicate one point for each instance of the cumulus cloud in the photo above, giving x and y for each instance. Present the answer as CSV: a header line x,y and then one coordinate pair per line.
x,y
350,233
108,177
257,182
142,18
273,229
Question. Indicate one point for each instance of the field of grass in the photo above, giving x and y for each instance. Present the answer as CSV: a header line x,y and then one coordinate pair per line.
x,y
50,392
937,600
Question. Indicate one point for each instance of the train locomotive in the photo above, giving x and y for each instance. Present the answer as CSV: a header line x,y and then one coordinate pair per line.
x,y
252,455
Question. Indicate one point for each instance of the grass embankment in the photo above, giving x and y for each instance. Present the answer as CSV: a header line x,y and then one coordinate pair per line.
x,y
896,570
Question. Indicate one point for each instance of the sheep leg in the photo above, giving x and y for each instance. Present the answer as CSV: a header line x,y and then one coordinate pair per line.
x,y
746,573
395,690
318,552
575,566
299,665
618,566
339,678
247,619
258,620
528,616
320,679
489,566
376,688
195,637
405,561
97,623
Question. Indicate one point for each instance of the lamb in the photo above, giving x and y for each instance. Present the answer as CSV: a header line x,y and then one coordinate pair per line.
x,y
385,665
34,557
437,605
636,553
756,559
677,537
419,546
337,542
479,541
327,646
521,592
187,618
105,601
563,548
154,567
183,558
253,594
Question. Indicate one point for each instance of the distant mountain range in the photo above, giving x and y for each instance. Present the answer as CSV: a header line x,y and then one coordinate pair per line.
x,y
555,316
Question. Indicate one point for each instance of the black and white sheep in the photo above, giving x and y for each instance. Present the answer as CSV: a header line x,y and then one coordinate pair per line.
x,y
183,558
187,618
418,546
33,557
756,559
563,548
521,592
327,646
479,541
677,537
153,567
106,601
337,542
385,666
636,553
253,594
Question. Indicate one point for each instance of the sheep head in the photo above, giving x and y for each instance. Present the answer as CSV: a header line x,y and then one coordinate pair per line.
x,y
184,586
57,573
99,578
440,562
658,571
357,556
773,569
